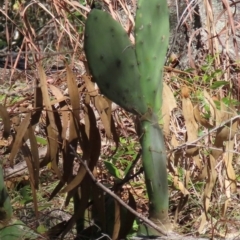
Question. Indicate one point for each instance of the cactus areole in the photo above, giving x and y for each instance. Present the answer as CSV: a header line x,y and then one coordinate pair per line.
x,y
131,76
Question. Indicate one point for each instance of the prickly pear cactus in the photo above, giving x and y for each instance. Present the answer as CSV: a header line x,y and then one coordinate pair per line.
x,y
132,77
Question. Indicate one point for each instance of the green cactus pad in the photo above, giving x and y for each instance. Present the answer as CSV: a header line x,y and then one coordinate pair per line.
x,y
155,169
151,36
112,61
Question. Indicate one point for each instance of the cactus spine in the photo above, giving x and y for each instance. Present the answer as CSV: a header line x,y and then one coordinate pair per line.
x,y
131,76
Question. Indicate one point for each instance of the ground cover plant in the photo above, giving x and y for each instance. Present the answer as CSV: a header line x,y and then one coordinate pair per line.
x,y
60,133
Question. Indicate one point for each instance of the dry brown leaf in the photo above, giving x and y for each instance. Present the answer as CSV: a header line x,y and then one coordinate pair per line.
x,y
56,230
224,208
211,180
56,190
227,158
87,122
99,206
6,121
70,195
227,189
80,203
174,141
46,98
177,154
225,133
75,134
46,159
223,113
187,176
203,224
92,91
176,182
65,120
191,125
35,158
94,149
53,149
21,131
102,106
128,219
203,121
63,108
82,171
117,220
55,101
108,109
73,93
197,161
227,112
4,143
185,92
76,181
203,174
94,138
68,158
38,105
169,103
55,91
182,188
215,114
114,135
181,204
30,164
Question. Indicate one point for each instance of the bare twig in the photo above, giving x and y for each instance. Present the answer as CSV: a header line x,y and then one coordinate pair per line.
x,y
193,143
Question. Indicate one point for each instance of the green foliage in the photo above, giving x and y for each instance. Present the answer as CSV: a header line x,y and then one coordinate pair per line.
x,y
17,230
204,103
219,84
25,195
210,74
41,140
113,170
228,101
120,163
41,229
133,231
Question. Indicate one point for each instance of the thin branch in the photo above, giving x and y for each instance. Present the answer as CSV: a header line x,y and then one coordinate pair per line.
x,y
193,143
